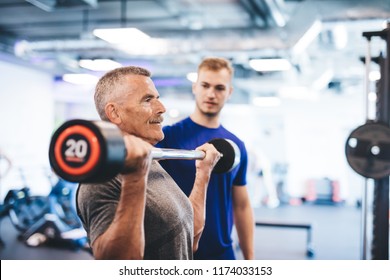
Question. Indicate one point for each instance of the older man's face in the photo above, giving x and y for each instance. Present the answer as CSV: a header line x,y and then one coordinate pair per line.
x,y
140,109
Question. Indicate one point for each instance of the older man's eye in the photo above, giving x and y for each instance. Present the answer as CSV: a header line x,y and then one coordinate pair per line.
x,y
148,98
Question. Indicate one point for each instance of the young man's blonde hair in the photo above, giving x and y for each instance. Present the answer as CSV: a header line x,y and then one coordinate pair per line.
x,y
216,64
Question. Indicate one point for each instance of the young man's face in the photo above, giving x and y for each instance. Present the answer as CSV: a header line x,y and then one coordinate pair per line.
x,y
141,110
212,89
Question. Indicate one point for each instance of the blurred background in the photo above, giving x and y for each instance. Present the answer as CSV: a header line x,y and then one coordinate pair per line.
x,y
299,90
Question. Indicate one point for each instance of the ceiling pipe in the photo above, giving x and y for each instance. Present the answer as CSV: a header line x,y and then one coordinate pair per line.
x,y
255,40
275,12
276,41
50,6
257,15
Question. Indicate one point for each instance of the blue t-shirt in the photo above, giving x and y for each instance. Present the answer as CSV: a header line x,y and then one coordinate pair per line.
x,y
216,241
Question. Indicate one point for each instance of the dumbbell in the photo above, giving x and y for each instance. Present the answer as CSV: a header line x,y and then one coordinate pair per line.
x,y
94,151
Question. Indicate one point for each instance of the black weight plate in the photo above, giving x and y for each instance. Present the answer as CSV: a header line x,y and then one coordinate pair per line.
x,y
230,155
368,150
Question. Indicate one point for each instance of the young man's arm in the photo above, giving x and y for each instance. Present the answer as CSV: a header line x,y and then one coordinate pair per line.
x,y
244,221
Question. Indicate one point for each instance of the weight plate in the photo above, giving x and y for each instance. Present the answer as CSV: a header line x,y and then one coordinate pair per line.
x,y
230,155
368,150
77,150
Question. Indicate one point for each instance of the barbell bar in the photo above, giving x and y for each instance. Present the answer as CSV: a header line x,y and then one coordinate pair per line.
x,y
94,151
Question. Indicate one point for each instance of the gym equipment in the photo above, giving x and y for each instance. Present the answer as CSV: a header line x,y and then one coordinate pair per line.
x,y
23,208
323,191
306,226
59,226
94,151
368,150
50,220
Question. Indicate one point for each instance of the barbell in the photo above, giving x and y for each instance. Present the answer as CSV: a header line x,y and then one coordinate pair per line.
x,y
94,151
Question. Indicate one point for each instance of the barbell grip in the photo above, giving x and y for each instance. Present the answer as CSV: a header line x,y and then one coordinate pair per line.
x,y
162,153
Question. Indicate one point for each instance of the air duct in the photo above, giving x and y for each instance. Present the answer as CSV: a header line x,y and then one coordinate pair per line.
x,y
51,5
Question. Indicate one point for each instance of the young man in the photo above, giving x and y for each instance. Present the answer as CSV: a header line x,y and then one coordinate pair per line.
x,y
141,213
227,198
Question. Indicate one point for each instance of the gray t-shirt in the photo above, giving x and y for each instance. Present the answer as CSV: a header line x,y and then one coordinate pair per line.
x,y
168,214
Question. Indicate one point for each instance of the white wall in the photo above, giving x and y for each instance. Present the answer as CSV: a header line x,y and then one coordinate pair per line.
x,y
316,133
73,101
26,121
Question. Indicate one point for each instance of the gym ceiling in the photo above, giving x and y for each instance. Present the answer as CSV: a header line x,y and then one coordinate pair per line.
x,y
53,35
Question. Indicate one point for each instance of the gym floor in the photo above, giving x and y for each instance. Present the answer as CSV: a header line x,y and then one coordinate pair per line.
x,y
335,233
335,236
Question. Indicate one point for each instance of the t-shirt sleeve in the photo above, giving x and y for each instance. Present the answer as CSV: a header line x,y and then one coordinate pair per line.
x,y
240,179
97,205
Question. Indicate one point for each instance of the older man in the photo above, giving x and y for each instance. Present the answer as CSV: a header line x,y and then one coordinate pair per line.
x,y
141,213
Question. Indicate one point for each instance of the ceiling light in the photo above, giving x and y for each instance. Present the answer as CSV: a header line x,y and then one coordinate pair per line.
x,y
192,76
80,79
308,37
323,80
372,96
120,35
264,65
297,92
340,36
266,101
374,76
150,46
99,64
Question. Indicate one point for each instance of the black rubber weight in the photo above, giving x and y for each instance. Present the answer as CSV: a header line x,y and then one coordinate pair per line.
x,y
225,164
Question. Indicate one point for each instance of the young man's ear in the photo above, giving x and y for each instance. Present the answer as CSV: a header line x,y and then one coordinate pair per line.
x,y
112,113
230,92
193,88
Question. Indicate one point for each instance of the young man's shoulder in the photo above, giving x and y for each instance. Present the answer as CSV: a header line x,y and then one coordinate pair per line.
x,y
177,126
232,135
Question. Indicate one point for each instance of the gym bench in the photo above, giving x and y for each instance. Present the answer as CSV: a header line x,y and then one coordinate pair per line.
x,y
306,226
